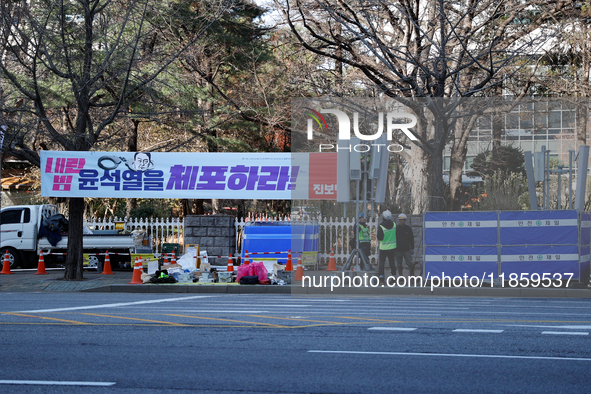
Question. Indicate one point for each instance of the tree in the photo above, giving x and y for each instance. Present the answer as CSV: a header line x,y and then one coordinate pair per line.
x,y
508,159
71,69
437,51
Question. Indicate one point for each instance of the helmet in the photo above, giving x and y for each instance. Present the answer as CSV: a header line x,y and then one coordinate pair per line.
x,y
402,216
387,215
362,215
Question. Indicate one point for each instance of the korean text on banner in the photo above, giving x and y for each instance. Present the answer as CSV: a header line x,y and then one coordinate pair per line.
x,y
172,175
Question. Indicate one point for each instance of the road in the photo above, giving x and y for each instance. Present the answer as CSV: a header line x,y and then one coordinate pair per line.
x,y
148,343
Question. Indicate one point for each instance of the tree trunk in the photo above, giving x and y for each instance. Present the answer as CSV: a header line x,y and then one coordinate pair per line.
x,y
132,146
74,268
420,164
437,201
459,151
455,176
582,116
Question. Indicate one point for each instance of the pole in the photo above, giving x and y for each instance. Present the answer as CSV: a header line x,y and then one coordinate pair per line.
x,y
570,179
531,184
582,165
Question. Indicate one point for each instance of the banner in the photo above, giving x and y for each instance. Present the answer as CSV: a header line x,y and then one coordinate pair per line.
x,y
265,176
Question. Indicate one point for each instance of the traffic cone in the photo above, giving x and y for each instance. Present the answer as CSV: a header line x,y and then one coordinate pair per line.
x,y
107,265
246,262
288,264
6,266
230,264
41,265
332,266
299,269
165,259
173,260
137,273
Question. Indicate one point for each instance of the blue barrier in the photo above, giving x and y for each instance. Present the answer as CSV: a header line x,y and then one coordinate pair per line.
x,y
520,242
460,261
539,228
460,228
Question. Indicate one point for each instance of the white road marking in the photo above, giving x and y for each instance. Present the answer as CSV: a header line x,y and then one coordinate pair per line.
x,y
56,383
214,311
563,327
450,355
75,308
475,330
391,329
565,333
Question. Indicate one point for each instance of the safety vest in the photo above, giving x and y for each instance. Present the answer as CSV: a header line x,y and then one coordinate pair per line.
x,y
389,241
363,234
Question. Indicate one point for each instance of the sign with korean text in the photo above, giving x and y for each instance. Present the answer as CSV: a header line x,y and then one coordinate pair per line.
x,y
272,176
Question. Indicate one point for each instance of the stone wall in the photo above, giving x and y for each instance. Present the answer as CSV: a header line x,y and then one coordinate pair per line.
x,y
215,234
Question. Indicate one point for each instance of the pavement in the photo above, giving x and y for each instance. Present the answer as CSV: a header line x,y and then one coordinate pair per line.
x,y
26,280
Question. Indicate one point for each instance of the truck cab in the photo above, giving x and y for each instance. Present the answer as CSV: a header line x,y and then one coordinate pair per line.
x,y
19,229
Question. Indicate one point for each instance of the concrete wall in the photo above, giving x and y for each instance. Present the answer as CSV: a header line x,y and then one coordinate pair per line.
x,y
215,234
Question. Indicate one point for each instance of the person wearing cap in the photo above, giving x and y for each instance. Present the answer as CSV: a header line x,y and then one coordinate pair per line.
x,y
405,244
387,244
361,231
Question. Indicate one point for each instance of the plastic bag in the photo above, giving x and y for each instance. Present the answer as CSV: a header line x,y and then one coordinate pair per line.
x,y
244,270
260,271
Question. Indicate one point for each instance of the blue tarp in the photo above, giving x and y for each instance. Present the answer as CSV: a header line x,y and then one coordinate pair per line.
x,y
259,237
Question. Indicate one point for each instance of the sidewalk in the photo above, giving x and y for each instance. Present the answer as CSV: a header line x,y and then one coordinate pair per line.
x,y
27,281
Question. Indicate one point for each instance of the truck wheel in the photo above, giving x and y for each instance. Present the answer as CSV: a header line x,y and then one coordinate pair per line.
x,y
13,256
95,261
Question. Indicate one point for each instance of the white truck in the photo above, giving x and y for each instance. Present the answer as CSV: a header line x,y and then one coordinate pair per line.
x,y
20,226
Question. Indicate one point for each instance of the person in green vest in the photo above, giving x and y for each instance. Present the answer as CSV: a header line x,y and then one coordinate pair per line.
x,y
361,232
387,244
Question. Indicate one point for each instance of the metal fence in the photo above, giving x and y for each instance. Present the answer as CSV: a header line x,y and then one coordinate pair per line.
x,y
161,231
334,232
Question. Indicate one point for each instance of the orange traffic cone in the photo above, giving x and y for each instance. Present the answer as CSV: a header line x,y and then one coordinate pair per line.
x,y
230,264
288,264
107,265
299,269
166,259
332,266
246,262
137,273
6,266
41,265
173,260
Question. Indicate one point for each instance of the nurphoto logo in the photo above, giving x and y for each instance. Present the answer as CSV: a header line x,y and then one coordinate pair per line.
x,y
394,122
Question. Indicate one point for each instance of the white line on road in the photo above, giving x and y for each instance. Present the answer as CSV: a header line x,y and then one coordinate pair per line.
x,y
475,330
563,327
565,333
391,329
215,311
56,383
75,308
449,355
